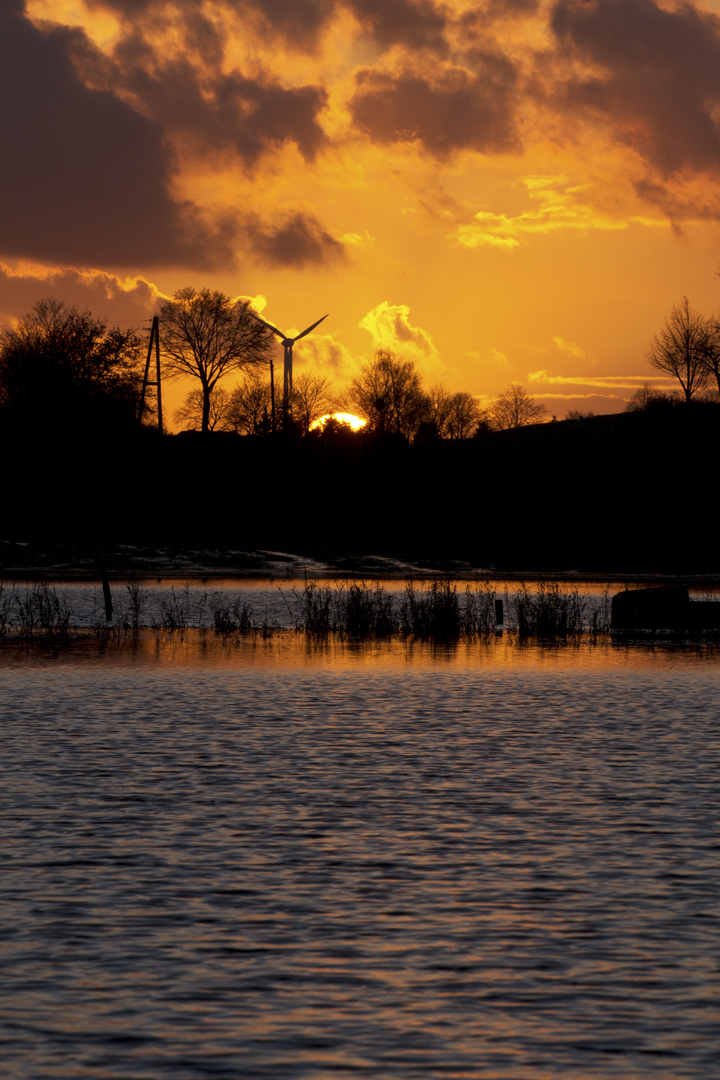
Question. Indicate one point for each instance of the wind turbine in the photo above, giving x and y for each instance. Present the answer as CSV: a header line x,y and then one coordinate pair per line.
x,y
288,343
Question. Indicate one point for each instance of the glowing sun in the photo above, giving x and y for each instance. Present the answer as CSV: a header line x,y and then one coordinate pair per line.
x,y
344,418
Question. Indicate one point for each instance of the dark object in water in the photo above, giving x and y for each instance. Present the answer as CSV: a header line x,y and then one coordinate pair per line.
x,y
107,597
667,607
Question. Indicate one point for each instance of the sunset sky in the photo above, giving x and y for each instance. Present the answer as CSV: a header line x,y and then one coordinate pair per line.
x,y
498,190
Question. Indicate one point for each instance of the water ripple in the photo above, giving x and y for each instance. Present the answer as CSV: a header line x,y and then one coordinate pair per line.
x,y
286,869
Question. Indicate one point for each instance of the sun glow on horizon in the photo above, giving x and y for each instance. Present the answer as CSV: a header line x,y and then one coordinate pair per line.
x,y
355,423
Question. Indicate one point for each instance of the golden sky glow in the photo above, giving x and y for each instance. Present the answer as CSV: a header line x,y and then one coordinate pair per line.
x,y
497,191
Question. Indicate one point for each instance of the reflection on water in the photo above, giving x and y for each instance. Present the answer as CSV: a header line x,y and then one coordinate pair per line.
x,y
285,650
278,859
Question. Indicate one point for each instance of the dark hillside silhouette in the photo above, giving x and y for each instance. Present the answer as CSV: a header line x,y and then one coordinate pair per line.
x,y
632,491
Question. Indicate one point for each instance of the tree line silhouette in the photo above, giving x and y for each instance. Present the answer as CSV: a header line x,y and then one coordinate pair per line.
x,y
64,369
60,368
432,477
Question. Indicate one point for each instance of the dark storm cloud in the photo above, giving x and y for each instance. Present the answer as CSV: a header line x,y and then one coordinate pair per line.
x,y
300,240
497,10
83,177
414,23
660,76
199,104
218,113
297,21
458,110
512,7
104,294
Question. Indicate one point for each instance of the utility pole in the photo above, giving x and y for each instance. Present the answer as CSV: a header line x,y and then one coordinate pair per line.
x,y
154,340
272,394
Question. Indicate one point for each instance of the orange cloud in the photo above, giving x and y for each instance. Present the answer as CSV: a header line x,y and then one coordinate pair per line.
x,y
560,206
324,355
570,348
390,328
602,382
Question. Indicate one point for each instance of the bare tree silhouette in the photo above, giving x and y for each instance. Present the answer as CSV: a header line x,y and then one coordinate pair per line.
x,y
312,398
249,409
388,392
647,397
515,408
711,359
206,335
681,348
191,411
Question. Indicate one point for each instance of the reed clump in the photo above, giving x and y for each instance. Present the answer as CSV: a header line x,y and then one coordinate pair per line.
x,y
5,614
350,609
432,610
369,612
233,617
548,612
37,609
137,600
317,610
179,611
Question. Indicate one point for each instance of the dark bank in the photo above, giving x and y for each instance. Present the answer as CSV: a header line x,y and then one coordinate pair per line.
x,y
627,493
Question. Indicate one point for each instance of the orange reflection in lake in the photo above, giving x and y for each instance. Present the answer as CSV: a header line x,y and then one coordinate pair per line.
x,y
290,650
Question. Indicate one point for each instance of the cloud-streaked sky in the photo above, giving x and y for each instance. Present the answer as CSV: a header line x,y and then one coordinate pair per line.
x,y
498,190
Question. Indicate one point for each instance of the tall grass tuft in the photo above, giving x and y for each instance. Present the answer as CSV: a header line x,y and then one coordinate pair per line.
x,y
478,611
368,613
41,608
548,612
317,610
235,617
5,610
137,600
432,612
179,612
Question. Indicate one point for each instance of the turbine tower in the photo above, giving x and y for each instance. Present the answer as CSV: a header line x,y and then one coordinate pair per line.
x,y
288,343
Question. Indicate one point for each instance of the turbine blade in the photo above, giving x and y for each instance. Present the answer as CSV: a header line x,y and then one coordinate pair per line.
x,y
269,325
309,329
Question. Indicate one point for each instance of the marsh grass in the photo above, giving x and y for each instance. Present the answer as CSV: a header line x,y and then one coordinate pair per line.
x,y
137,601
436,610
316,609
37,609
5,613
233,617
427,610
177,611
548,612
359,611
369,612
432,611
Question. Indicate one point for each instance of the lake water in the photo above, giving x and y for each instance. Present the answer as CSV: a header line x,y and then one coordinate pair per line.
x,y
285,859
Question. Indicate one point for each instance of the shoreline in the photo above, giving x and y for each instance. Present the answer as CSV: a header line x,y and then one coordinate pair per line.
x,y
144,564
